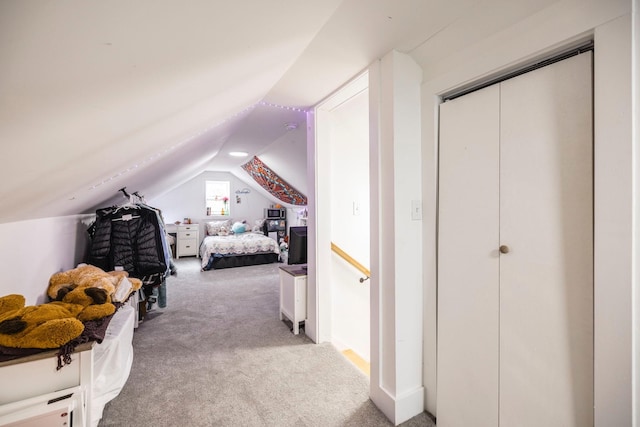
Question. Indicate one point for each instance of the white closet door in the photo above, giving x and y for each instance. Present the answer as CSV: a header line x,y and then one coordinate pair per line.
x,y
546,220
468,261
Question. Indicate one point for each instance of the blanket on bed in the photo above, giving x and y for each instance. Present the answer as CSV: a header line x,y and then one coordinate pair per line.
x,y
237,244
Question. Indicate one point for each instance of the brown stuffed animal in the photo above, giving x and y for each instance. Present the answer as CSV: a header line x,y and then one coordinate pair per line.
x,y
79,295
53,324
84,276
95,303
117,284
42,326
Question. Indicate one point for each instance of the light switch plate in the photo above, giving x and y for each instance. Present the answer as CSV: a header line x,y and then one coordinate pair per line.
x,y
356,208
416,210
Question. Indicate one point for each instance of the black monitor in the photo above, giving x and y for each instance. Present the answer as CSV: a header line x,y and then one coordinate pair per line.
x,y
298,245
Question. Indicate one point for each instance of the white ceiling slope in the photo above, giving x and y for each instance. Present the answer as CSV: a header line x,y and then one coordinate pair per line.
x,y
96,96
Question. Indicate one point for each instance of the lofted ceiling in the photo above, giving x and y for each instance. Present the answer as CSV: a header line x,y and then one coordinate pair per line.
x,y
95,96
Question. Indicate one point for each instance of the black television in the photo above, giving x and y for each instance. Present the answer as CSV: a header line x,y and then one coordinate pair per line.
x,y
297,245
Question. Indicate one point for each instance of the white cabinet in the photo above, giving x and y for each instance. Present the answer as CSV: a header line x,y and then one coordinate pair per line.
x,y
188,239
35,393
35,380
293,295
515,260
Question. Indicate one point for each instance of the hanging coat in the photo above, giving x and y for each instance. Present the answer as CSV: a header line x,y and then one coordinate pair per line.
x,y
131,238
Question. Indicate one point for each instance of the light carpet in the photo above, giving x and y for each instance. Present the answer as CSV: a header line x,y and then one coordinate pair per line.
x,y
218,355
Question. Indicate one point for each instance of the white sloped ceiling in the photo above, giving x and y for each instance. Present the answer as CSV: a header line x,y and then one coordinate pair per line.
x,y
90,89
99,95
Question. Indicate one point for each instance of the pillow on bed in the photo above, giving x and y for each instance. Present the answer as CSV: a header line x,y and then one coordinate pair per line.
x,y
214,227
257,227
239,227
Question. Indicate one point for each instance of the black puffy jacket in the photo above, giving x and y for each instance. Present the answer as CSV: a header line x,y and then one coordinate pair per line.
x,y
129,238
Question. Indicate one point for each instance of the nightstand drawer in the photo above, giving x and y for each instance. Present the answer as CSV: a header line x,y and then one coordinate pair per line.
x,y
188,227
183,234
187,247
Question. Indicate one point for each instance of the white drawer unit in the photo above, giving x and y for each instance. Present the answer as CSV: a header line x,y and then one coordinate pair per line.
x,y
188,239
293,295
34,382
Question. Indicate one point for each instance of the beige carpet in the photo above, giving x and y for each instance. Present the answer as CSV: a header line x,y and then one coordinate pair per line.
x,y
218,355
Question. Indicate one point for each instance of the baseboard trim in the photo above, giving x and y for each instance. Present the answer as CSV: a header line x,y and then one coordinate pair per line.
x,y
383,400
401,408
409,405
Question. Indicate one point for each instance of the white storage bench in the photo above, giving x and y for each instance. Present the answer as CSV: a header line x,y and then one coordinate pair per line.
x,y
33,392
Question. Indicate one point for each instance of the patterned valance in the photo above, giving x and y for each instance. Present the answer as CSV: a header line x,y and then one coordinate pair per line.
x,y
271,182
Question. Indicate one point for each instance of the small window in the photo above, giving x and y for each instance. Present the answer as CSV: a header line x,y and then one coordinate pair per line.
x,y
217,198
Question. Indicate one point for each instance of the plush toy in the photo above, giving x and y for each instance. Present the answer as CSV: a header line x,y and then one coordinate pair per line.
x,y
78,295
284,246
116,284
239,227
11,302
83,276
49,325
95,303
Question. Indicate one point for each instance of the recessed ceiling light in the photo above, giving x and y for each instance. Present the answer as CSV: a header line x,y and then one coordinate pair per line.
x,y
238,153
291,126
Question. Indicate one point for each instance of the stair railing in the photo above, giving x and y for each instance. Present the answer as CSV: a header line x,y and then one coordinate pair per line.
x,y
342,254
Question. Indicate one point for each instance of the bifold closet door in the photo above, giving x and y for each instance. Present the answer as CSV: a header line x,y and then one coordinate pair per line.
x,y
546,220
468,262
515,252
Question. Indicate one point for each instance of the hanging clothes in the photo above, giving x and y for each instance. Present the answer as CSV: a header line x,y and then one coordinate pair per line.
x,y
133,238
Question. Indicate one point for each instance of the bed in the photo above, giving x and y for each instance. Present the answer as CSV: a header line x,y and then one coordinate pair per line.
x,y
224,248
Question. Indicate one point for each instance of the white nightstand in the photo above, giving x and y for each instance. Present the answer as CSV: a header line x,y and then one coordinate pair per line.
x,y
187,240
293,295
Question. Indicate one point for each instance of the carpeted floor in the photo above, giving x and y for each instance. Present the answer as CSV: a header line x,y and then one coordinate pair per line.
x,y
218,355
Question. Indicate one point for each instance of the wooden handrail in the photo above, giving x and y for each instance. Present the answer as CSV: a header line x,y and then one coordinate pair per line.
x,y
364,270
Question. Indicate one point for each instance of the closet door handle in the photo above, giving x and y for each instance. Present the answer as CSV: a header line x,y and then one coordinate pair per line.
x,y
504,249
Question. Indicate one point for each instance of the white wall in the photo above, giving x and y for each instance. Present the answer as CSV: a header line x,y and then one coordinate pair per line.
x,y
613,187
636,209
287,156
188,201
314,298
296,216
349,176
562,24
396,237
33,250
349,180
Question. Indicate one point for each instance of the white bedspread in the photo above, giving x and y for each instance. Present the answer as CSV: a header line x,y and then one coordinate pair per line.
x,y
237,244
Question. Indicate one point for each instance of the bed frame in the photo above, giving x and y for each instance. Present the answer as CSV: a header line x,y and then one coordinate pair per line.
x,y
217,261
